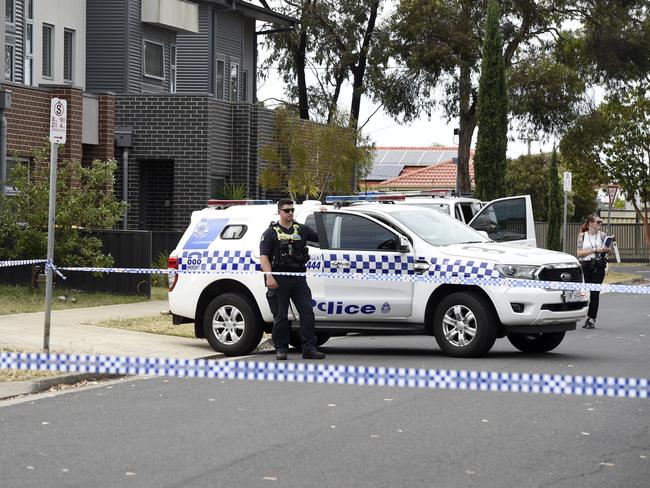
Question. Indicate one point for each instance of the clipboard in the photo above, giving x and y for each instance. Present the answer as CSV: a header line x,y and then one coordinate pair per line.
x,y
608,241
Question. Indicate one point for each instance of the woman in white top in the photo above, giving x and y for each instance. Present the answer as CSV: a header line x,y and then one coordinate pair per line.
x,y
592,255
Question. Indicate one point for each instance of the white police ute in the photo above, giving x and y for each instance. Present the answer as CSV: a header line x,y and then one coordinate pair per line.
x,y
377,268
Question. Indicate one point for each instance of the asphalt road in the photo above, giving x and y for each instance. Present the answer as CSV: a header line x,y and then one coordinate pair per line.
x,y
188,432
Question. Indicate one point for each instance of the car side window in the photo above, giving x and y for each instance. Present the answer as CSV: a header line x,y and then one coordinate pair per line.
x,y
504,220
357,233
310,222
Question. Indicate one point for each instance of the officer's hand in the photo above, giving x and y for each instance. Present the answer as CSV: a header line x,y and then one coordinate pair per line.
x,y
270,282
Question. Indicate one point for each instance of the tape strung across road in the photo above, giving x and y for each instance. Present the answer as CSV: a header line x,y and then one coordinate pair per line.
x,y
436,379
428,278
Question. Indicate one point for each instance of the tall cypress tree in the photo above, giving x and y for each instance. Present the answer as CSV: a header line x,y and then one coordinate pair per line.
x,y
554,236
492,113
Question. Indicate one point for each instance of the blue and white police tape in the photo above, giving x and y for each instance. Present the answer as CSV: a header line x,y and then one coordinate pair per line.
x,y
440,277
437,379
20,262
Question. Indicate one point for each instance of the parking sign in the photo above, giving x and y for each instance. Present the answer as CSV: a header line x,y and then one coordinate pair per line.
x,y
58,120
567,181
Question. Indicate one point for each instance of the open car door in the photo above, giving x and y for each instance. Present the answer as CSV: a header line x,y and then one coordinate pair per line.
x,y
508,220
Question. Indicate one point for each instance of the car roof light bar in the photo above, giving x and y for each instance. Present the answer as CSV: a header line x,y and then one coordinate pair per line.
x,y
348,199
230,203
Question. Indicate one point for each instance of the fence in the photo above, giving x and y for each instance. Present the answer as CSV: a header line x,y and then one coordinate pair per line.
x,y
629,238
129,248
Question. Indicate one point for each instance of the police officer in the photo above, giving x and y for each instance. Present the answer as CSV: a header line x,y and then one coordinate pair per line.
x,y
283,247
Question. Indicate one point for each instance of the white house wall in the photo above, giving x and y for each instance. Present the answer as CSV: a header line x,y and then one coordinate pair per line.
x,y
62,14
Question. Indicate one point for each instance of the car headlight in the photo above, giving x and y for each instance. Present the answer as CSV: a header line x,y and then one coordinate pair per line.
x,y
519,271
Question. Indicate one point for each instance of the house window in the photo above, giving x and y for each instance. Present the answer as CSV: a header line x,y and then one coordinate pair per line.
x,y
10,11
9,62
244,87
48,35
154,60
172,74
221,71
29,44
234,82
68,55
11,190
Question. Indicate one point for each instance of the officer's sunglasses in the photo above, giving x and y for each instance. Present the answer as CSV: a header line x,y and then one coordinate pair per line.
x,y
287,210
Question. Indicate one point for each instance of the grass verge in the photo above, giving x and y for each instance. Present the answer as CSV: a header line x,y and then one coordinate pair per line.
x,y
20,375
159,324
612,277
18,299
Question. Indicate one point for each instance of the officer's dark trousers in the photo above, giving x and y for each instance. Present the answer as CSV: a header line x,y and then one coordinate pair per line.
x,y
293,288
593,275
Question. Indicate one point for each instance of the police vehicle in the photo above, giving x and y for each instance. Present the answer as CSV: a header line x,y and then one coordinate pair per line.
x,y
220,289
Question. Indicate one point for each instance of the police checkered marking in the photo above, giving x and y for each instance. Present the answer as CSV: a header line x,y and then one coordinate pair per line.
x,y
223,261
393,264
333,374
446,267
20,262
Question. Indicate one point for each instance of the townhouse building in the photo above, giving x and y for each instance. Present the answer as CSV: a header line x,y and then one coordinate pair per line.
x,y
167,87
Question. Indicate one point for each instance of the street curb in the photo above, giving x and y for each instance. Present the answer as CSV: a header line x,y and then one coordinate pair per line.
x,y
10,389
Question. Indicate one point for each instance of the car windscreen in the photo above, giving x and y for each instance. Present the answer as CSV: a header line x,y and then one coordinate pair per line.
x,y
437,228
440,207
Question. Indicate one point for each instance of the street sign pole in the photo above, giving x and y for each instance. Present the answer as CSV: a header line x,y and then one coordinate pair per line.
x,y
58,116
612,190
567,189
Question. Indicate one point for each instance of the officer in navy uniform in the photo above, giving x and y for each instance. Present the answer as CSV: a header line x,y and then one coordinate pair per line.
x,y
283,248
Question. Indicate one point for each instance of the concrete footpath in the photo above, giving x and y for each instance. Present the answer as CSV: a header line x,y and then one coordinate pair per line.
x,y
70,333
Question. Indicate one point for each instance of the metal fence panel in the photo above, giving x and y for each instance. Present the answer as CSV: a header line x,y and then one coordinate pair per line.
x,y
629,238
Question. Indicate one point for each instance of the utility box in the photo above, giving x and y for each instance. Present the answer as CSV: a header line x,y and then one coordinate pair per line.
x,y
123,137
5,99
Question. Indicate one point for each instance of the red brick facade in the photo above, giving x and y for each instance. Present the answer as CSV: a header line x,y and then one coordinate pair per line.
x,y
28,122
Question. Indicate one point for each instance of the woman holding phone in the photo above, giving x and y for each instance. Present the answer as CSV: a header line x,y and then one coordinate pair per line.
x,y
592,253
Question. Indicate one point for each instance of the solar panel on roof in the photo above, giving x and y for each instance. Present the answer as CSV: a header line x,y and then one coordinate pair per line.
x,y
393,157
381,172
412,157
433,157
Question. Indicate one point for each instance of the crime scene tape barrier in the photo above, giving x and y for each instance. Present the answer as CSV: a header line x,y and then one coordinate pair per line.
x,y
432,277
437,379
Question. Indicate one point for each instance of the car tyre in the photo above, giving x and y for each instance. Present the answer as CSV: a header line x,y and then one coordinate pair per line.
x,y
464,325
231,325
536,343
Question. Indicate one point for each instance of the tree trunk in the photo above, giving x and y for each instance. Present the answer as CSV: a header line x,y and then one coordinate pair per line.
x,y
300,55
467,124
359,71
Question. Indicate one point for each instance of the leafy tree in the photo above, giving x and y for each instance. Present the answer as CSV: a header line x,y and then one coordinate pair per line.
x,y
491,113
554,238
335,43
614,143
309,160
528,175
84,201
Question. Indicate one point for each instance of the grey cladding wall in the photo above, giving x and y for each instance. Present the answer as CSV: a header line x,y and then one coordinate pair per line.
x,y
106,45
194,53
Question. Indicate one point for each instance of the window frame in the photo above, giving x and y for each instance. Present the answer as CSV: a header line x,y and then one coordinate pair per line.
x,y
11,20
223,234
243,96
12,62
49,75
234,97
336,228
69,34
28,40
144,59
173,68
220,91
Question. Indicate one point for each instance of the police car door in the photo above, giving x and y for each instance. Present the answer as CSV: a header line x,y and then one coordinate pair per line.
x,y
356,244
508,220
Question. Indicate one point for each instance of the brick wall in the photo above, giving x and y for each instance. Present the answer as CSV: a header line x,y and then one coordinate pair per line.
x,y
28,125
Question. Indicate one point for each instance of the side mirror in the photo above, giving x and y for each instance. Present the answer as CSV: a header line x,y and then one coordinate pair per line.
x,y
404,244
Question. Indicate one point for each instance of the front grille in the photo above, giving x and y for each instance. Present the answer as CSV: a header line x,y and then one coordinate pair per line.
x,y
564,307
555,274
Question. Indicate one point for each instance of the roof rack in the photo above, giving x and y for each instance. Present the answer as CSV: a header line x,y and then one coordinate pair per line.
x,y
220,204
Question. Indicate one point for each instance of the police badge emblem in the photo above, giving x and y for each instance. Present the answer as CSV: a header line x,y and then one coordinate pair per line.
x,y
385,308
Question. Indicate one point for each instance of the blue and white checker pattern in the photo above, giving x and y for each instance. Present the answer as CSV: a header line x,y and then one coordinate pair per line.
x,y
223,261
446,267
20,262
333,374
394,264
